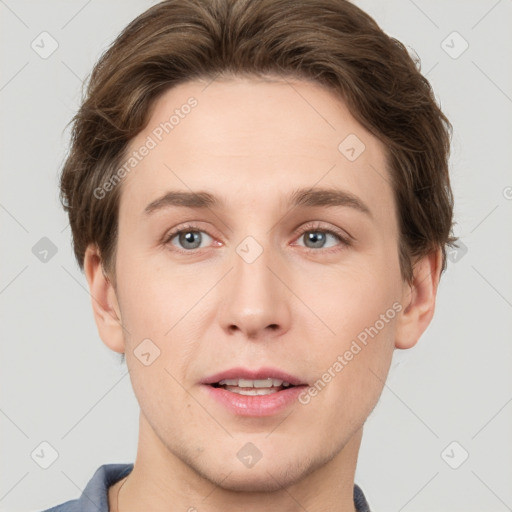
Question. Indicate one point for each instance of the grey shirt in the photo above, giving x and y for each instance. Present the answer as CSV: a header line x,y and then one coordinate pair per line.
x,y
94,498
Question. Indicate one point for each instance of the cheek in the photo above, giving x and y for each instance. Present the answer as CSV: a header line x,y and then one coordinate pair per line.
x,y
350,379
353,300
150,302
352,360
160,328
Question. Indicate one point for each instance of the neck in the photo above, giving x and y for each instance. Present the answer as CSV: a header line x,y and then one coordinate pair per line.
x,y
162,482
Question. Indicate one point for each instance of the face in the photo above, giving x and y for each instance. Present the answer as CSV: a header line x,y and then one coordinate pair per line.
x,y
262,276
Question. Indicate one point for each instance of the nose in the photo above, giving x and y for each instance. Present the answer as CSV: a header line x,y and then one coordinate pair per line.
x,y
256,300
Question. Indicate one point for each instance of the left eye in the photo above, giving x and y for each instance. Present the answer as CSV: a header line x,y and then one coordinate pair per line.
x,y
317,238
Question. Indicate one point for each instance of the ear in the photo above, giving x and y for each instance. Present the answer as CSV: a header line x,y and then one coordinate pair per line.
x,y
104,301
419,299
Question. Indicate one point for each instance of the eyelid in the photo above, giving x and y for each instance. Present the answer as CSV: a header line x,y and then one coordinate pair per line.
x,y
317,225
188,226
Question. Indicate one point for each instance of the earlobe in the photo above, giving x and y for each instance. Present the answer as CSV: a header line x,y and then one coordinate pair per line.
x,y
104,302
419,300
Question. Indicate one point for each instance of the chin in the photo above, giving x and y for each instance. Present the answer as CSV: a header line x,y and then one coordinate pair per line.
x,y
264,476
263,481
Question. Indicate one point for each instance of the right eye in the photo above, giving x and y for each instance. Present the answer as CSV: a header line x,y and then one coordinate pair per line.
x,y
189,237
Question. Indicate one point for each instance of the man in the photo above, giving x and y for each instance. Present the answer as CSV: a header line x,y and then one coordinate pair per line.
x,y
259,198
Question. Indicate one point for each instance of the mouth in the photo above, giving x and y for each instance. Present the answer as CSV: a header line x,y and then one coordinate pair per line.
x,y
256,387
268,379
262,392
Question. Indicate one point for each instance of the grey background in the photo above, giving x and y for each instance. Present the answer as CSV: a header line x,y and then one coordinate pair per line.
x,y
60,384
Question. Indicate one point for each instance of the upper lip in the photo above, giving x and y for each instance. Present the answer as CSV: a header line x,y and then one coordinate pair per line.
x,y
246,373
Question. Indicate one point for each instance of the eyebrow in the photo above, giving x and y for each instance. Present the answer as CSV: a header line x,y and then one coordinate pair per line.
x,y
303,197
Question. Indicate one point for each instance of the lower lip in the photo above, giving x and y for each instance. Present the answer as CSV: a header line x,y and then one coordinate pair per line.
x,y
258,405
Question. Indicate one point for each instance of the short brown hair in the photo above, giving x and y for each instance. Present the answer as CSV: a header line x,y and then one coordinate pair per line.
x,y
330,42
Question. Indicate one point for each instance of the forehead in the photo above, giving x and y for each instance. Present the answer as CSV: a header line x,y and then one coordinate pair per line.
x,y
250,140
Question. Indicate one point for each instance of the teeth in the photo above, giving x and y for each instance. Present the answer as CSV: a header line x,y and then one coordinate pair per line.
x,y
257,383
267,383
251,391
229,382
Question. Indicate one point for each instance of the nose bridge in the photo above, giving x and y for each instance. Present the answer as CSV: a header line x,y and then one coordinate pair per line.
x,y
255,302
252,262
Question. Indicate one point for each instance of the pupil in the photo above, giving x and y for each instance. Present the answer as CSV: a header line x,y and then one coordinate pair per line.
x,y
316,238
190,237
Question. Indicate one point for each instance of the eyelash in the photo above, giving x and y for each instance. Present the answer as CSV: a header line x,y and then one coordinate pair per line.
x,y
310,227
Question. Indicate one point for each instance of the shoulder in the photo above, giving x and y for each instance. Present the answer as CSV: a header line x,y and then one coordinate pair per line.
x,y
360,500
94,497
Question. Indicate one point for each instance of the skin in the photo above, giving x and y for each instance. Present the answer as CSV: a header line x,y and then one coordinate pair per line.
x,y
297,307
